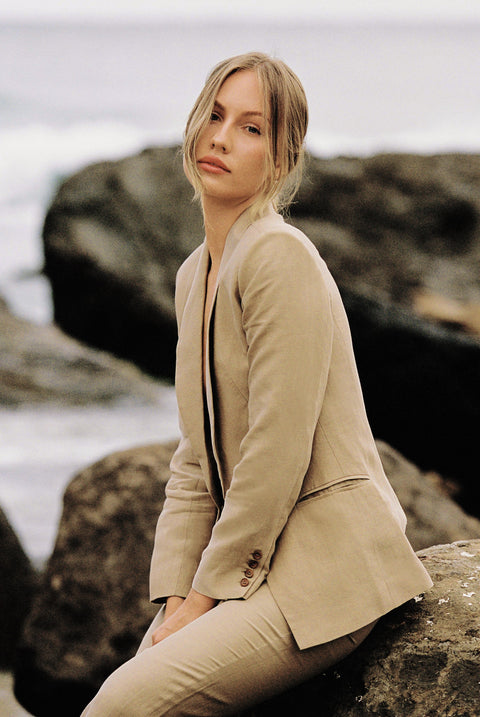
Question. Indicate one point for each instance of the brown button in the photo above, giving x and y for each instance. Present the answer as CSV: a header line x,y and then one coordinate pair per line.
x,y
253,564
248,573
244,582
257,554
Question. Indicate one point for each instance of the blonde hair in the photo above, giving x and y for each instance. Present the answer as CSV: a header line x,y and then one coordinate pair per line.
x,y
286,110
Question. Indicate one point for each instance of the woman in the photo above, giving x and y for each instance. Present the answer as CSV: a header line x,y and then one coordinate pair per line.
x,y
281,542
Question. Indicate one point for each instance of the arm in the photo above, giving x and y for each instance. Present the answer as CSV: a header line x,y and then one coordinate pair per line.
x,y
288,326
183,529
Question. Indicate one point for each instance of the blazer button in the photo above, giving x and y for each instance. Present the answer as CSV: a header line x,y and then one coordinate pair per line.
x,y
244,582
257,554
248,573
253,564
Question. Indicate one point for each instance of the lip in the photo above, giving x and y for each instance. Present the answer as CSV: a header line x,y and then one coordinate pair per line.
x,y
213,164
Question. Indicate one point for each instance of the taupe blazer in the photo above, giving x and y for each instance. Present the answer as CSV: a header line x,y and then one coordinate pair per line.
x,y
277,476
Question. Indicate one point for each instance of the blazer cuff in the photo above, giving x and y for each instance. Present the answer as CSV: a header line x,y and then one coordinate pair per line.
x,y
234,582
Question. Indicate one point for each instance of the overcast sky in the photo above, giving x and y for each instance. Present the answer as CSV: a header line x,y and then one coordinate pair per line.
x,y
248,9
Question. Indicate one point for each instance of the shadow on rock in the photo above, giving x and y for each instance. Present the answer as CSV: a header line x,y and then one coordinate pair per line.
x,y
421,385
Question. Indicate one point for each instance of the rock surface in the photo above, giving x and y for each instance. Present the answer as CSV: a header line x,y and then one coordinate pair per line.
x,y
422,660
433,517
387,225
40,364
18,581
114,238
93,608
93,605
390,223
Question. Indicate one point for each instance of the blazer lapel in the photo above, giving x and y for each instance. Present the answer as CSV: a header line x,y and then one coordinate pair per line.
x,y
234,236
197,410
189,380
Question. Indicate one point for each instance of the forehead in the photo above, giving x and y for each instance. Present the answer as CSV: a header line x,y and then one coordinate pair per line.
x,y
241,91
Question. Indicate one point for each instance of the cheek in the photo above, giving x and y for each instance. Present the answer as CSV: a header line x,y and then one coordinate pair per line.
x,y
204,140
259,163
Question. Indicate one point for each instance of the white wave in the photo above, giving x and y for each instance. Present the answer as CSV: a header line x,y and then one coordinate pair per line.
x,y
35,154
434,140
43,447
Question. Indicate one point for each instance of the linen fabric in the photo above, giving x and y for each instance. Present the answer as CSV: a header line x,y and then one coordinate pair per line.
x,y
277,477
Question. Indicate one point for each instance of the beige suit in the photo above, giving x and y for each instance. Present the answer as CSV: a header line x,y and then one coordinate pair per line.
x,y
277,476
277,504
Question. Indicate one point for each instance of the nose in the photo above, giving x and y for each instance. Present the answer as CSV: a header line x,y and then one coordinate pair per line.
x,y
221,138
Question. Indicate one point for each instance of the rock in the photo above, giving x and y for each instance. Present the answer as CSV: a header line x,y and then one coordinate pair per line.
x,y
116,233
389,227
93,606
114,238
40,364
393,222
421,660
432,516
421,384
19,582
448,312
93,609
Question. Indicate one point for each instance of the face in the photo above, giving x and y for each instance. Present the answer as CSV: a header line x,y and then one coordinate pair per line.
x,y
230,152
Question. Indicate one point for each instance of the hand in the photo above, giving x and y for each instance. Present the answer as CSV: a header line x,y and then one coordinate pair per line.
x,y
181,613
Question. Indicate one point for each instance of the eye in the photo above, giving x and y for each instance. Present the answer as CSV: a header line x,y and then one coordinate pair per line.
x,y
214,117
252,129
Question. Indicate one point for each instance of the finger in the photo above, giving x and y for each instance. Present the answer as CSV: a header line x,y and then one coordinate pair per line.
x,y
160,634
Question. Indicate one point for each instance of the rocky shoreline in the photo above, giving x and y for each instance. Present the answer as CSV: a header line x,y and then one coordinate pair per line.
x,y
92,609
401,235
42,364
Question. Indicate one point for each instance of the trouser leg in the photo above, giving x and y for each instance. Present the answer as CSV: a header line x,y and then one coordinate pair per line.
x,y
238,654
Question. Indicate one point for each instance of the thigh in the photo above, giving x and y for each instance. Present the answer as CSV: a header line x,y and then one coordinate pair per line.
x,y
238,654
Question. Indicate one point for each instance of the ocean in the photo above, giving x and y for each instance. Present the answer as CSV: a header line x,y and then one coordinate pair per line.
x,y
74,94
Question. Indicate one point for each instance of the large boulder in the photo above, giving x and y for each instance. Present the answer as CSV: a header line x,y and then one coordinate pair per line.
x,y
388,226
18,580
93,607
41,364
114,238
390,223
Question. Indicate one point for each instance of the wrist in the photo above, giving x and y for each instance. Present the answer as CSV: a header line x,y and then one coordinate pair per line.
x,y
200,601
172,604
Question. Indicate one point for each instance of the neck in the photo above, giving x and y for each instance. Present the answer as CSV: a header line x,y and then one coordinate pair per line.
x,y
219,219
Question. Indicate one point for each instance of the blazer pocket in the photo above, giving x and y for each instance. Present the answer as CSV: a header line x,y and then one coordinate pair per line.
x,y
337,486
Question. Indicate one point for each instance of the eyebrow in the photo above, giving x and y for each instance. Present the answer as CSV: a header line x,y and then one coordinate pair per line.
x,y
248,113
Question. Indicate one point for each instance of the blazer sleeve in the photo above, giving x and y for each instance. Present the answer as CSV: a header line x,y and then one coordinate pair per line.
x,y
184,527
288,324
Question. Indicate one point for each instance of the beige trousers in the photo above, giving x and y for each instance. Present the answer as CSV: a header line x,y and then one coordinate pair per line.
x,y
237,655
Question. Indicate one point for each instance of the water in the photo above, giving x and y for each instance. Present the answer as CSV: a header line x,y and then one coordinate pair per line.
x,y
76,94
41,449
73,95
